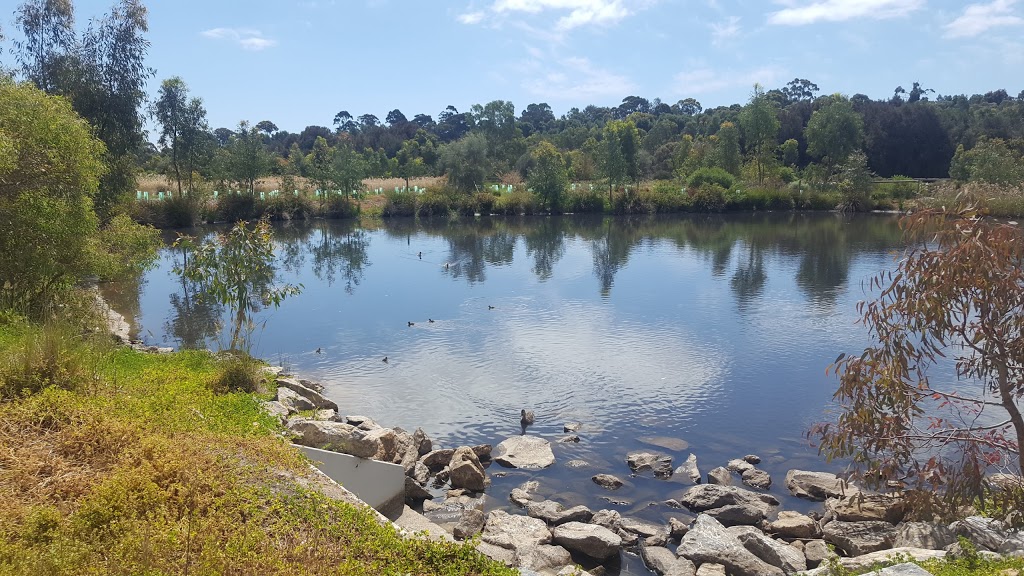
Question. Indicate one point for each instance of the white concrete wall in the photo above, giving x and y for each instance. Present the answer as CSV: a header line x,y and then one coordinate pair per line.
x,y
379,484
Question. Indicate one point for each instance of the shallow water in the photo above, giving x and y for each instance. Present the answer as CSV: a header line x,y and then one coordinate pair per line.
x,y
712,329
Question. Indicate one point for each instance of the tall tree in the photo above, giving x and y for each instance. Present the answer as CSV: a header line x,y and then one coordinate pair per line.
x,y
549,177
760,122
48,28
248,160
834,131
727,149
182,126
619,150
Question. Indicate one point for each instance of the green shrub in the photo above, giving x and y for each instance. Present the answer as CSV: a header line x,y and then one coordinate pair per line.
x,y
401,203
286,207
761,199
233,207
583,200
818,200
714,175
340,206
708,198
516,202
438,202
633,202
57,356
238,373
484,202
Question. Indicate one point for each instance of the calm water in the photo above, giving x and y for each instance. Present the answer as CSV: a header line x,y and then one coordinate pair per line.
x,y
713,329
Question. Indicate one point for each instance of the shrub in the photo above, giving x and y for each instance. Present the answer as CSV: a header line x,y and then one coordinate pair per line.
x,y
484,202
583,200
516,203
55,357
708,198
238,373
438,202
233,207
340,206
715,175
287,207
761,199
399,203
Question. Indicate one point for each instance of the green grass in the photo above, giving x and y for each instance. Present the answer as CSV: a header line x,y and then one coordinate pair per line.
x,y
135,466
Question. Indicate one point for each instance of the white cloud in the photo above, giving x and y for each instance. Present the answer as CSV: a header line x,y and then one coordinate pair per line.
x,y
470,17
978,18
704,80
574,79
574,13
720,32
841,10
248,39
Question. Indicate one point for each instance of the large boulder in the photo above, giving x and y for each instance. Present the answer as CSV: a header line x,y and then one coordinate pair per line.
x,y
525,452
415,492
816,552
720,475
923,535
711,569
817,485
861,563
861,506
606,518
465,470
437,459
292,401
778,554
985,533
389,445
709,542
632,530
858,538
334,436
423,442
642,461
739,466
362,422
514,531
738,515
315,398
757,478
905,569
794,525
542,558
730,504
588,539
554,513
470,524
663,562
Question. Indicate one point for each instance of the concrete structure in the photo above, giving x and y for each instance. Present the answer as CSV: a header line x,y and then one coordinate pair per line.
x,y
379,484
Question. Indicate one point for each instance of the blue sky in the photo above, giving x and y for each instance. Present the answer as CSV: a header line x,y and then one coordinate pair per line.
x,y
297,63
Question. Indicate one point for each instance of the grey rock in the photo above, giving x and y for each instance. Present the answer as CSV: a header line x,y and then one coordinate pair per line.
x,y
520,497
334,436
275,408
709,542
572,426
362,422
390,442
514,531
414,491
419,472
861,506
542,558
641,527
709,496
423,442
663,562
312,396
640,461
606,518
985,533
905,569
465,470
590,540
720,475
737,515
923,535
689,470
816,552
677,528
752,459
577,464
866,561
673,444
817,485
776,553
525,452
471,524
857,538
437,459
1012,546
497,553
482,451
739,466
1002,482
756,478
572,571
607,481
711,569
311,385
293,401
794,525
326,414
570,439
554,513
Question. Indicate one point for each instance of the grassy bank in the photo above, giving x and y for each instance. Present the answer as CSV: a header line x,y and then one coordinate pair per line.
x,y
114,461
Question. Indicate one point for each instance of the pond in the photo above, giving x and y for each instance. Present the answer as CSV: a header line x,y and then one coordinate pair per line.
x,y
715,330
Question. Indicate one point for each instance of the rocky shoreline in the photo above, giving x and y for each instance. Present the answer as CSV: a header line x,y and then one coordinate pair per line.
x,y
721,528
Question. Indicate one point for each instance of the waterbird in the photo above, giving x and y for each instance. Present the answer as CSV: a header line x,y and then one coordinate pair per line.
x,y
489,307
421,255
385,360
411,323
430,320
526,417
445,265
319,351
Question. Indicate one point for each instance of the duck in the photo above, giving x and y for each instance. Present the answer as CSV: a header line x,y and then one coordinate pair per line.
x,y
411,323
385,360
421,255
319,351
526,417
430,320
489,307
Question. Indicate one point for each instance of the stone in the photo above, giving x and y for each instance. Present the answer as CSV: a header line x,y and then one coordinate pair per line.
x,y
334,436
709,541
660,464
923,535
606,518
590,540
275,408
312,396
689,470
419,472
520,497
437,459
390,444
794,525
756,478
861,506
423,442
572,571
1012,546
663,562
866,561
752,459
497,553
1001,482
710,569
720,475
570,439
542,558
816,552
905,569
293,401
554,513
773,552
465,470
641,527
325,414
735,515
572,426
985,533
677,528
312,385
817,485
514,531
362,422
739,466
470,524
858,538
577,464
673,444
607,481
525,452
738,505
482,451
415,492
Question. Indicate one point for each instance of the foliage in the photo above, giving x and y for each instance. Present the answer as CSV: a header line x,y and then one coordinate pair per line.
x,y
466,162
708,198
910,414
855,183
246,159
58,356
183,130
516,203
834,131
124,248
727,149
760,123
990,161
548,178
238,373
715,176
621,143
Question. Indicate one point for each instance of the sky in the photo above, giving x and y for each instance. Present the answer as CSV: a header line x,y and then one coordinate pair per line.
x,y
299,62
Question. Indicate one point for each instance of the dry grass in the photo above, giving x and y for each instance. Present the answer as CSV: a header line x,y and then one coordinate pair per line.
x,y
154,183
392,183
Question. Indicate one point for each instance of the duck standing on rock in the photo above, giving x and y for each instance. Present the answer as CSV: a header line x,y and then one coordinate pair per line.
x,y
526,419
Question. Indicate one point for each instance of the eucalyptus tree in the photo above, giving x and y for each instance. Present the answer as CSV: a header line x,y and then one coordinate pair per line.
x,y
549,177
760,123
183,128
247,159
834,131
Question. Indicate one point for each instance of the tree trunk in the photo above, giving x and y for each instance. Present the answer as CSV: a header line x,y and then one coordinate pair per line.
x,y
1006,395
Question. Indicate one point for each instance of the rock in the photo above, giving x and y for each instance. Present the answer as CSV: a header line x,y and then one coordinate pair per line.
x,y
389,441
710,569
326,414
572,426
471,524
794,525
737,515
577,464
606,518
817,485
590,540
275,408
570,439
673,444
419,472
293,401
482,451
861,563
607,481
660,464
756,478
423,442
1012,546
334,436
312,385
497,553
905,569
437,459
664,562
720,475
415,492
542,558
520,497
923,535
985,533
653,534
816,552
737,505
554,513
525,452
514,531
362,422
572,571
739,466
709,541
773,552
465,470
677,528
857,538
752,459
312,396
689,470
861,506
1001,482
673,503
